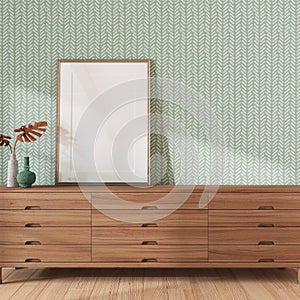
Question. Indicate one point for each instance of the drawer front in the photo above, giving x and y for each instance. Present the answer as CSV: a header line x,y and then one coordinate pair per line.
x,y
145,200
46,235
254,236
40,218
139,236
258,253
149,253
255,218
44,201
36,253
180,218
255,201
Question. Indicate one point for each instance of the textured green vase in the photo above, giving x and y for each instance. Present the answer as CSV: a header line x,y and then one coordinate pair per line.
x,y
26,178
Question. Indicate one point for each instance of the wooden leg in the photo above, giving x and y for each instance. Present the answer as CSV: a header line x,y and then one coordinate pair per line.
x,y
1,275
298,270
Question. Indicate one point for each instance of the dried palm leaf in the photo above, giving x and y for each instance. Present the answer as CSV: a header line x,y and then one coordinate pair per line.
x,y
28,132
4,140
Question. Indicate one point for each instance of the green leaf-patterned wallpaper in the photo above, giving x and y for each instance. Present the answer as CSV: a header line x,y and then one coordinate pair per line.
x,y
242,56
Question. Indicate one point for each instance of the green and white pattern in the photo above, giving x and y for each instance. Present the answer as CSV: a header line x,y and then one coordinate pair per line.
x,y
242,56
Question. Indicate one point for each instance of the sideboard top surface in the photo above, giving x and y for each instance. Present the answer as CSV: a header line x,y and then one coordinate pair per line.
x,y
155,189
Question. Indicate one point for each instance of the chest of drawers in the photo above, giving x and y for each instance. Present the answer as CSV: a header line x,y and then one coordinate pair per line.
x,y
59,226
254,227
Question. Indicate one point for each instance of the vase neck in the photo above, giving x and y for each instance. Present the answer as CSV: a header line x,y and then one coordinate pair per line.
x,y
26,163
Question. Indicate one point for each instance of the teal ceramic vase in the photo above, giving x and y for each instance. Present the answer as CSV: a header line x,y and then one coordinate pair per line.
x,y
26,178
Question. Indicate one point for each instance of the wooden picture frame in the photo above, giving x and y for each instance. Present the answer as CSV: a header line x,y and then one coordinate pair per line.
x,y
142,75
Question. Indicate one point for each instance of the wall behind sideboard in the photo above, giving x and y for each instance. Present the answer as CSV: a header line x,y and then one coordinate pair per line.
x,y
242,56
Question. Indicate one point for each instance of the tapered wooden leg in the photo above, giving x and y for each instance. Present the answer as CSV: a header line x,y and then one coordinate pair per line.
x,y
298,275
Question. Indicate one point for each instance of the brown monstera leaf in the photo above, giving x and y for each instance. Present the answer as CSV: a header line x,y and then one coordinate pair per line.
x,y
28,132
4,140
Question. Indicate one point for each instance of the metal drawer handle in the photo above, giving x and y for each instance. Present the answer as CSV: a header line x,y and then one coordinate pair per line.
x,y
266,243
266,207
32,207
33,225
32,260
149,243
262,260
266,225
149,207
149,260
33,243
150,225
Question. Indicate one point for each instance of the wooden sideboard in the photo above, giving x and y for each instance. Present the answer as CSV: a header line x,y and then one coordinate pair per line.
x,y
59,226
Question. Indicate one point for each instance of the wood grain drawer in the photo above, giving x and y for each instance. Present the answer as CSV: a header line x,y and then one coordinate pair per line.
x,y
44,201
149,253
43,253
40,218
254,218
180,218
146,200
46,235
255,201
255,253
254,236
138,236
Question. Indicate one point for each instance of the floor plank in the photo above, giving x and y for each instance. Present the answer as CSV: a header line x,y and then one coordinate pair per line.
x,y
154,287
14,282
82,285
6,272
107,284
60,284
151,284
131,280
34,286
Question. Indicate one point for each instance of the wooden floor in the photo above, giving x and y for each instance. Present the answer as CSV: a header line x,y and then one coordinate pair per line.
x,y
150,284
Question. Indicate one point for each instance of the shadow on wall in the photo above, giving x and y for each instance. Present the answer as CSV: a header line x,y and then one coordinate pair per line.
x,y
161,171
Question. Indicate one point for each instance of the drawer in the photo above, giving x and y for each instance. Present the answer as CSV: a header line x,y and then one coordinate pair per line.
x,y
43,201
39,218
254,236
256,201
255,253
268,218
144,235
179,218
149,253
46,235
41,253
145,200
